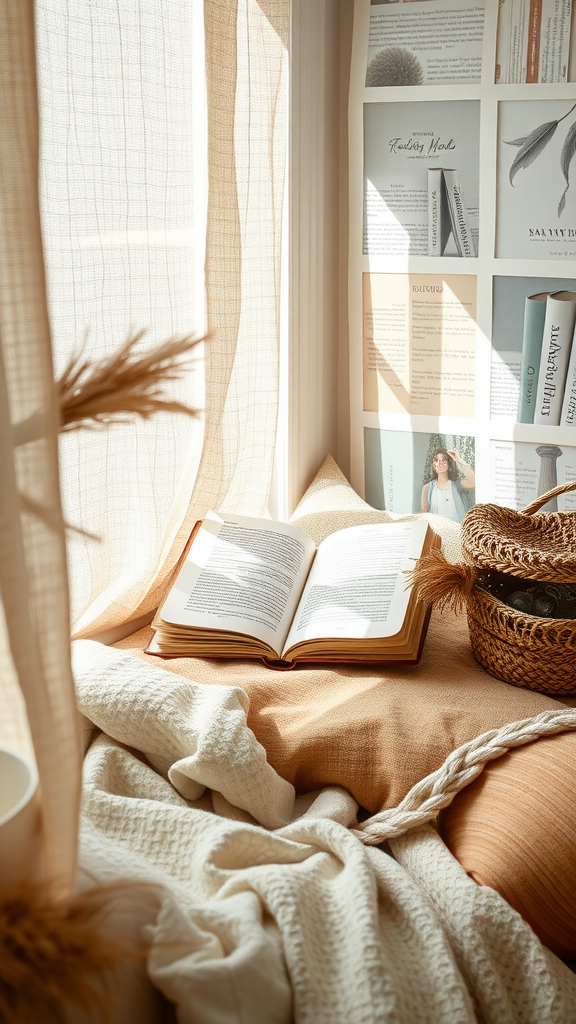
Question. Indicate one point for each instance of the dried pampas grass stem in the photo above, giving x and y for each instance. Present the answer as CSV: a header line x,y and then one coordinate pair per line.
x,y
442,583
56,957
108,390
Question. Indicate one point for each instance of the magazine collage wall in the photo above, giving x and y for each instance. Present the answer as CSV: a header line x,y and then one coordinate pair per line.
x,y
462,141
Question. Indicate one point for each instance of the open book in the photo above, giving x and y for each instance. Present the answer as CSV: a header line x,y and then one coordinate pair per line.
x,y
253,588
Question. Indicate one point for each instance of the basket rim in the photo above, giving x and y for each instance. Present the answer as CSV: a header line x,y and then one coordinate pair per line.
x,y
519,616
512,567
541,546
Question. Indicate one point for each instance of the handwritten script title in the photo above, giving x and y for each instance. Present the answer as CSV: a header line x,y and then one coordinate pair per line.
x,y
423,147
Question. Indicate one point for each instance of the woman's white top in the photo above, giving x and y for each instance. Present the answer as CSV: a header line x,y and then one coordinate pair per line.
x,y
442,501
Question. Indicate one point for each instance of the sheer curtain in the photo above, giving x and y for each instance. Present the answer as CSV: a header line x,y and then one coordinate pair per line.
x,y
163,131
162,144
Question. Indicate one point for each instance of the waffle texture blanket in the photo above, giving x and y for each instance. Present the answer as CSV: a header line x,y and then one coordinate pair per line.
x,y
265,907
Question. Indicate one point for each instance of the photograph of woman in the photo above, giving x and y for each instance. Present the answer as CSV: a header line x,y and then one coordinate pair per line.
x,y
450,492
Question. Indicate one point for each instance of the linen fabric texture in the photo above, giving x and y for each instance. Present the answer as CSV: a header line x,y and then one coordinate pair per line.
x,y
267,908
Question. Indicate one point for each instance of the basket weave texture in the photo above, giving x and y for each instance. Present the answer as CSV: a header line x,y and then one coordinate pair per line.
x,y
539,547
522,649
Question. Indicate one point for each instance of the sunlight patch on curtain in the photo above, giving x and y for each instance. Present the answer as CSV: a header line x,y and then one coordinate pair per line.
x,y
145,201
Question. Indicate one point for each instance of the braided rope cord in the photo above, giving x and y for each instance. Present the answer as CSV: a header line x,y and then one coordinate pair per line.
x,y
429,796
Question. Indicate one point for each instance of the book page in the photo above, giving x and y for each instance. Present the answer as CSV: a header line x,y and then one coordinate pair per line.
x,y
431,42
241,574
356,587
419,343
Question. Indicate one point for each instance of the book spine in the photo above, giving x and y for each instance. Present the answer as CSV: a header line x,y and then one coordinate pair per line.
x,y
534,28
566,36
435,211
556,343
534,315
503,42
554,40
568,413
458,213
518,44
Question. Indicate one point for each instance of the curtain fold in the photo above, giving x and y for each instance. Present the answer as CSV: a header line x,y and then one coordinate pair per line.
x,y
34,642
122,173
246,107
246,78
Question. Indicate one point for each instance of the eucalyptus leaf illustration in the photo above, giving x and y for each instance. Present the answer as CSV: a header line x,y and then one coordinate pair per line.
x,y
532,147
566,157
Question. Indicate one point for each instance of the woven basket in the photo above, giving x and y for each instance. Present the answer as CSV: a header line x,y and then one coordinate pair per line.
x,y
501,544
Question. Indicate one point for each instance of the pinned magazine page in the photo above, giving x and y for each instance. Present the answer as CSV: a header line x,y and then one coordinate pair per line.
x,y
419,343
427,42
516,347
536,216
415,471
402,143
520,472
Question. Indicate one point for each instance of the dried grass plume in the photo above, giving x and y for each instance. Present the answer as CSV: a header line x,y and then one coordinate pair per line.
x,y
108,390
55,957
441,583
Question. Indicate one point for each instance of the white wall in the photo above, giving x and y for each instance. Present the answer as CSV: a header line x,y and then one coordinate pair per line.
x,y
316,381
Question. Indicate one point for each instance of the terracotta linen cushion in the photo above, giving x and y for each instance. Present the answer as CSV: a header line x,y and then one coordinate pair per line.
x,y
375,731
379,730
514,829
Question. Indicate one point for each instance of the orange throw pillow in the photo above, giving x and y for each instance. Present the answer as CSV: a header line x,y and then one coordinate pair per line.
x,y
514,829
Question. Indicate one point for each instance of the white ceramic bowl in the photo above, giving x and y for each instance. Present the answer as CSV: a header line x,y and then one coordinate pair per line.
x,y
20,825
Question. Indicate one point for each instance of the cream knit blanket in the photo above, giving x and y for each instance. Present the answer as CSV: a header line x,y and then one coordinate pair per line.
x,y
270,909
